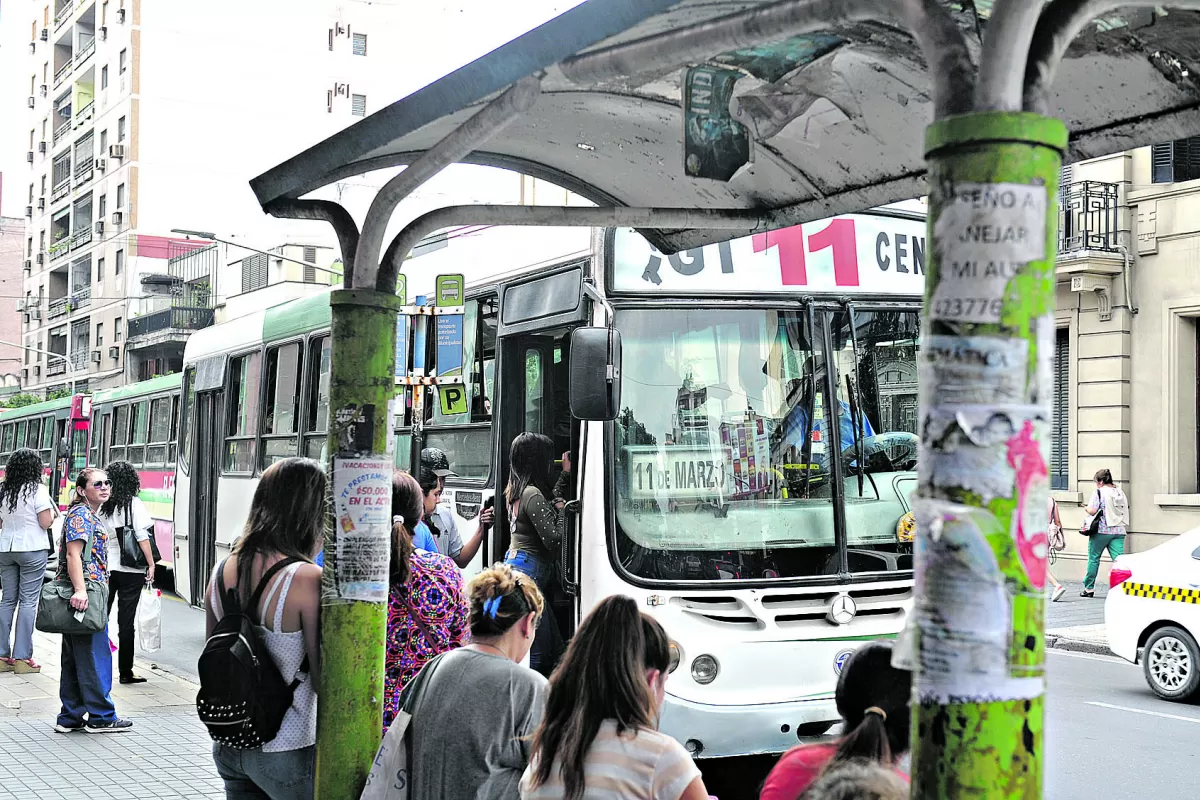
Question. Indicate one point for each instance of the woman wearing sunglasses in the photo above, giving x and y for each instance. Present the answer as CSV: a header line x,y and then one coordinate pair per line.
x,y
86,678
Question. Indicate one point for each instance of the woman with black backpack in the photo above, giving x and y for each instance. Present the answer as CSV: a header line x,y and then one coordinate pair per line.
x,y
270,585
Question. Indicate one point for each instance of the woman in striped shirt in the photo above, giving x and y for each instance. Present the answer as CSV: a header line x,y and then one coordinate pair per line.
x,y
598,739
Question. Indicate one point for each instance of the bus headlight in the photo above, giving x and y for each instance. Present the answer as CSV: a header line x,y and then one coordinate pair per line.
x,y
673,664
705,669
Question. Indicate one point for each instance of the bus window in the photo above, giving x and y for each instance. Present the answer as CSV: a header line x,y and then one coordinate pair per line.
x,y
160,431
101,433
188,401
533,389
9,433
174,429
138,418
34,438
48,456
21,431
120,434
316,423
79,442
282,403
243,399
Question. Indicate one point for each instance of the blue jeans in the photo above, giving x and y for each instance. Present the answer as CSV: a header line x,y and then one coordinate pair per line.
x,y
86,679
255,775
548,643
21,584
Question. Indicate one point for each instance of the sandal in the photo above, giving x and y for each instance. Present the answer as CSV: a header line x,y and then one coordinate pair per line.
x,y
7,665
26,667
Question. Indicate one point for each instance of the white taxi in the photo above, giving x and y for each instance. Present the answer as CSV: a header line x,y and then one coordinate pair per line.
x,y
1153,606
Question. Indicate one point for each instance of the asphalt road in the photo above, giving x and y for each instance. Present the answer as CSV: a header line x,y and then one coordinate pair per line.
x,y
1107,734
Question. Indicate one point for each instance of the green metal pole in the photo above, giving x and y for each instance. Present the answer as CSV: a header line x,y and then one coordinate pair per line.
x,y
985,386
357,540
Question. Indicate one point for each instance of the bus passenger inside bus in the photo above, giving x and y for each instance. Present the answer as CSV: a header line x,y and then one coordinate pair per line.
x,y
726,467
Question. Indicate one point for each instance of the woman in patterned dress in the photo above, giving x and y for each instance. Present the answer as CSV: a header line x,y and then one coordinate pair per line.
x,y
427,610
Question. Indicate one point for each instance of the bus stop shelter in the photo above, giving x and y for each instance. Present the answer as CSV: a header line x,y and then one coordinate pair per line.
x,y
697,121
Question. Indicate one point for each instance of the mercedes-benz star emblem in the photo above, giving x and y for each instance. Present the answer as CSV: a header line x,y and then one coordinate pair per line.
x,y
841,610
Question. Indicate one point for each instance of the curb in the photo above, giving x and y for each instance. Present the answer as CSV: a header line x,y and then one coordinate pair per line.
x,y
1056,642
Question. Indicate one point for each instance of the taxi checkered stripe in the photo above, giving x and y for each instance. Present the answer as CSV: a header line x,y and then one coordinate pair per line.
x,y
1173,593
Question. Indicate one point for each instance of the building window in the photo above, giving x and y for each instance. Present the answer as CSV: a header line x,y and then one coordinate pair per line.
x,y
121,59
120,262
1171,162
358,105
99,269
121,129
31,194
254,272
99,333
104,77
359,46
120,196
1061,414
104,143
103,204
310,270
117,329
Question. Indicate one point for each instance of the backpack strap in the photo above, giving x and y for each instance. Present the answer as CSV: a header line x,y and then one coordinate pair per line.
x,y
252,608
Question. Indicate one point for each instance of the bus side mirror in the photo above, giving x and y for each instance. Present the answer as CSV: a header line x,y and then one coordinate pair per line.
x,y
595,386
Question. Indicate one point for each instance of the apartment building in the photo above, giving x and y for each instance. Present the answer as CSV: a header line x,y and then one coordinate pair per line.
x,y
12,238
145,116
1127,347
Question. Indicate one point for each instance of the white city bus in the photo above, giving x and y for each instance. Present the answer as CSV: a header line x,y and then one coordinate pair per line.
x,y
732,497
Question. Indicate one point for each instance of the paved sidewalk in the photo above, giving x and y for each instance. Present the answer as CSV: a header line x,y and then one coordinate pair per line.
x,y
167,754
1077,623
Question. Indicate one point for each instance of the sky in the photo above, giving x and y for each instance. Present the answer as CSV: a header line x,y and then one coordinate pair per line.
x,y
469,28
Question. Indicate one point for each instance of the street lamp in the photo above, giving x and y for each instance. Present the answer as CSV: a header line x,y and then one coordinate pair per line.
x,y
66,361
215,238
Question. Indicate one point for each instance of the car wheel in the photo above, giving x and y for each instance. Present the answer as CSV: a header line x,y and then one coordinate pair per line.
x,y
1171,664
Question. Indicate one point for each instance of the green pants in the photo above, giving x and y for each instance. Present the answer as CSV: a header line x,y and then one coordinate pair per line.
x,y
1096,547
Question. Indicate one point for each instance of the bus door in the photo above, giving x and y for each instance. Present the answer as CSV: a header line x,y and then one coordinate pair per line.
x,y
205,467
536,320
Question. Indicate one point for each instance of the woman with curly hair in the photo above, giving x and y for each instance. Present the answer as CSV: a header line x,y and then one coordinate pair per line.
x,y
126,518
26,511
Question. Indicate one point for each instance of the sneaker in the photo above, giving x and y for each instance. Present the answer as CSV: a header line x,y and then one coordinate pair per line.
x,y
60,728
1058,593
1086,593
116,726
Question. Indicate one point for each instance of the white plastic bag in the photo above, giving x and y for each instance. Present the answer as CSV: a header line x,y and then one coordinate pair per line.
x,y
149,620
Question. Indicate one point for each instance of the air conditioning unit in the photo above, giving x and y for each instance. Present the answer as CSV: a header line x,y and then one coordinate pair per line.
x,y
37,369
99,226
121,16
41,204
95,356
28,265
25,374
41,258
45,90
103,32
100,164
29,211
114,352
32,48
36,313
116,151
29,156
32,101
117,216
20,306
43,147
44,35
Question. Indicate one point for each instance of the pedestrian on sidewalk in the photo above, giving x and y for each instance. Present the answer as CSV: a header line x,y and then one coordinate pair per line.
x,y
26,513
427,610
873,698
599,738
1108,508
474,709
435,468
536,526
1054,543
125,516
86,679
286,527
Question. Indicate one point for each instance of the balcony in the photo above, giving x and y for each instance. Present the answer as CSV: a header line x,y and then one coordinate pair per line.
x,y
62,130
62,72
59,308
1087,217
62,14
61,189
85,53
79,358
81,237
60,249
83,171
55,366
81,298
84,113
179,318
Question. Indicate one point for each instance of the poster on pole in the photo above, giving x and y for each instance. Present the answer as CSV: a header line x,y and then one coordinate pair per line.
x,y
401,370
449,327
362,509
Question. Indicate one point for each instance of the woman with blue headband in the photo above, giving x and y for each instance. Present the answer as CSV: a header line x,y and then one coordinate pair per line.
x,y
474,709
427,611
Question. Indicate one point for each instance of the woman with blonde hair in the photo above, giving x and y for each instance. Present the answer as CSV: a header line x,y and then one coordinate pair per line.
x,y
474,709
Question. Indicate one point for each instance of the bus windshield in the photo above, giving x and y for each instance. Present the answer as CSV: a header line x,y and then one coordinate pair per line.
x,y
726,465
